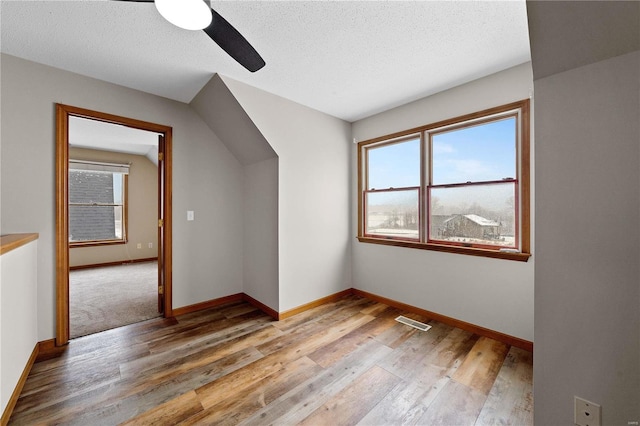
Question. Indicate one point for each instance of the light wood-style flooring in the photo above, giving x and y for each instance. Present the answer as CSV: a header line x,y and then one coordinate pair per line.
x,y
342,363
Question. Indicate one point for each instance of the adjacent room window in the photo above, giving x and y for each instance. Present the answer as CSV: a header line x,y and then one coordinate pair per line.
x,y
461,185
97,203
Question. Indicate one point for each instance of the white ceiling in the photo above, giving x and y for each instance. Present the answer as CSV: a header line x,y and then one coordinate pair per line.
x,y
349,59
93,134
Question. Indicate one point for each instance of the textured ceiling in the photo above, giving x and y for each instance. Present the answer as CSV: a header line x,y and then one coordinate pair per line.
x,y
349,59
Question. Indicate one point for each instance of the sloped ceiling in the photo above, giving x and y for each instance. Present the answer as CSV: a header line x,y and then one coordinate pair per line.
x,y
217,106
94,134
569,34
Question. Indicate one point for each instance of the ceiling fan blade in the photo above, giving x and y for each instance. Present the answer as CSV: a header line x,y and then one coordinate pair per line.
x,y
232,42
229,39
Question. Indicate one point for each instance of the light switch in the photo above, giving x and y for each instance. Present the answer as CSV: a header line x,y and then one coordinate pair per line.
x,y
190,215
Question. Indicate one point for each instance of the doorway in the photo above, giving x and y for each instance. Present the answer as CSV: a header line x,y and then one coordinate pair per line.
x,y
67,119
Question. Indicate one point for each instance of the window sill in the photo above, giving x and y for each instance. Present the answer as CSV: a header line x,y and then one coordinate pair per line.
x,y
96,243
471,251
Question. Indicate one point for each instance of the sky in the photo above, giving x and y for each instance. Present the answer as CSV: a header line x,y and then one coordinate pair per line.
x,y
479,153
485,152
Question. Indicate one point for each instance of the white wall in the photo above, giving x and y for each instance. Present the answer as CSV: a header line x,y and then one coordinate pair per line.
x,y
18,315
314,191
493,293
587,307
207,253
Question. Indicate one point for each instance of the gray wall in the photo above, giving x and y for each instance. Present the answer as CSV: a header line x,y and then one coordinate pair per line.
x,y
217,106
586,67
587,304
207,253
493,293
260,267
314,238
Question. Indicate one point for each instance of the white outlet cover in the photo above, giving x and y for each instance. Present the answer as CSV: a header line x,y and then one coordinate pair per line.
x,y
586,413
190,215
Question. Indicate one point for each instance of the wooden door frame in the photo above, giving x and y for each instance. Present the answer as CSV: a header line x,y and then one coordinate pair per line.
x,y
63,112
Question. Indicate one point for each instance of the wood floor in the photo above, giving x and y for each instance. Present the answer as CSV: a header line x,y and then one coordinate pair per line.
x,y
347,362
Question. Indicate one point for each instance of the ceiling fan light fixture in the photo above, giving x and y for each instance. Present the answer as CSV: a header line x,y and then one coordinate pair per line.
x,y
187,14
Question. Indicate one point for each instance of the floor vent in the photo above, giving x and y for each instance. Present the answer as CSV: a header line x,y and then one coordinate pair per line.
x,y
413,323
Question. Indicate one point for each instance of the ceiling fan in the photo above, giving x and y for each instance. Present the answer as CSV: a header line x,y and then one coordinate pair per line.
x,y
198,14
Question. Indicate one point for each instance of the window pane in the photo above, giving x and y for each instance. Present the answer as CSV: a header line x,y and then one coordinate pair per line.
x,y
478,214
119,223
118,188
393,214
90,187
484,152
394,166
92,223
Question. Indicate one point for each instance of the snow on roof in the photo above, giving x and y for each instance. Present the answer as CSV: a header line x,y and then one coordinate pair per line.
x,y
478,219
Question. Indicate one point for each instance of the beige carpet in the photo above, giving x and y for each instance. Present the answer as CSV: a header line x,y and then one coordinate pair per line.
x,y
112,296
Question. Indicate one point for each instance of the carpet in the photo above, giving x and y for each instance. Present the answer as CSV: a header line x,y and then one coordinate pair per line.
x,y
112,296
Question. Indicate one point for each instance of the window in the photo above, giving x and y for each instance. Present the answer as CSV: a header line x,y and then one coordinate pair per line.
x,y
97,203
461,185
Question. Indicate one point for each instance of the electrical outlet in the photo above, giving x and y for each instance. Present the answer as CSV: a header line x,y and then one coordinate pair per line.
x,y
190,215
150,245
139,245
586,413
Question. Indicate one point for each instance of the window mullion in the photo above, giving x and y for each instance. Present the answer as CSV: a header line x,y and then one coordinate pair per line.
x,y
424,181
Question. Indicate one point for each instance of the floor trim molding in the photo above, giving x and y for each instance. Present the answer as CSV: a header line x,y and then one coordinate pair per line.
x,y
315,303
476,329
6,414
116,263
48,349
208,304
264,308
